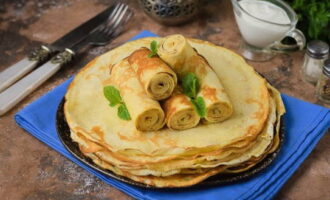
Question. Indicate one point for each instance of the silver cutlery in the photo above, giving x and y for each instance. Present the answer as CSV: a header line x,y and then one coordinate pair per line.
x,y
98,37
41,54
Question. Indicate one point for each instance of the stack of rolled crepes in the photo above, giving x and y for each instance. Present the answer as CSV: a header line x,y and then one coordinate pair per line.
x,y
178,53
167,157
155,80
159,82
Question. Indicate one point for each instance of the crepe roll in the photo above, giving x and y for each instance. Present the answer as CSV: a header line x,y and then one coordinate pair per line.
x,y
217,104
180,113
176,51
157,78
146,113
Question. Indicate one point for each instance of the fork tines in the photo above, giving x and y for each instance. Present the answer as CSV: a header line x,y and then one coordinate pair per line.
x,y
116,20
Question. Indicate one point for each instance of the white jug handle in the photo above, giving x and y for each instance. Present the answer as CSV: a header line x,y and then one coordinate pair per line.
x,y
296,35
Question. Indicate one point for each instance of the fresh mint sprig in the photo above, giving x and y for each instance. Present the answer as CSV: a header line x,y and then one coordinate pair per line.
x,y
199,104
123,113
112,95
114,98
153,48
191,87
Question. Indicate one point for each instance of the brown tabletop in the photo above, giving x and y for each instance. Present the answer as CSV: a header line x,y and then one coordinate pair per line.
x,y
31,170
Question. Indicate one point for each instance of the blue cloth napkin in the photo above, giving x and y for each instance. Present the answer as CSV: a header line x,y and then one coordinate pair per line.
x,y
305,125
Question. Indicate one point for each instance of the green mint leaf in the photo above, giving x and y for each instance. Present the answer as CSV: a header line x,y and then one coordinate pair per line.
x,y
123,113
112,95
200,107
150,55
153,48
190,85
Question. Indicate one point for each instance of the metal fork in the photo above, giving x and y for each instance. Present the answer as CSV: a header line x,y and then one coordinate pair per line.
x,y
100,36
107,31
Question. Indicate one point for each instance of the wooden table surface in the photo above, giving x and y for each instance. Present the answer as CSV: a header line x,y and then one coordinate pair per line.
x,y
31,170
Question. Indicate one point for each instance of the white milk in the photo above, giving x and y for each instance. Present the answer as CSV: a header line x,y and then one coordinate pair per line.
x,y
257,32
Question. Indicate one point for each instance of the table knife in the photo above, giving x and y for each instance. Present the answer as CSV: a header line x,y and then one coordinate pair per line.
x,y
41,54
99,36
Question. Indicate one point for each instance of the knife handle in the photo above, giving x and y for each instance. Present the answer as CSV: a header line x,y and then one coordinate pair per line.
x,y
18,70
18,91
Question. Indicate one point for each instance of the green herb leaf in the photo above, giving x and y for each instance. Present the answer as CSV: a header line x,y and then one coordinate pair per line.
x,y
200,107
153,48
151,55
112,95
314,18
123,113
190,85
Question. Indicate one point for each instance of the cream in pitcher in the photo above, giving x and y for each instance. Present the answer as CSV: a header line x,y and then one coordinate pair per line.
x,y
257,32
263,24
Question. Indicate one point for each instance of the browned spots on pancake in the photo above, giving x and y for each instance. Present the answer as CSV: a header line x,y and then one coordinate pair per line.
x,y
91,146
209,93
107,82
138,136
98,131
184,100
154,139
105,67
123,137
251,129
140,61
171,104
251,101
259,114
89,76
170,142
79,129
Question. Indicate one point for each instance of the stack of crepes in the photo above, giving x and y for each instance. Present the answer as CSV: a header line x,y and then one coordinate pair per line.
x,y
172,158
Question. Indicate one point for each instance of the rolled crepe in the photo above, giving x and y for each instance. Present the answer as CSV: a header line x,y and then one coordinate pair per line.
x,y
177,52
180,113
157,78
145,112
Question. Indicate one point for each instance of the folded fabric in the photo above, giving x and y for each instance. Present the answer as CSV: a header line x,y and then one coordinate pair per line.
x,y
305,124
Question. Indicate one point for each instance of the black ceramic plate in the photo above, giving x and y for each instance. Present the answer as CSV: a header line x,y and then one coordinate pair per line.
x,y
64,135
